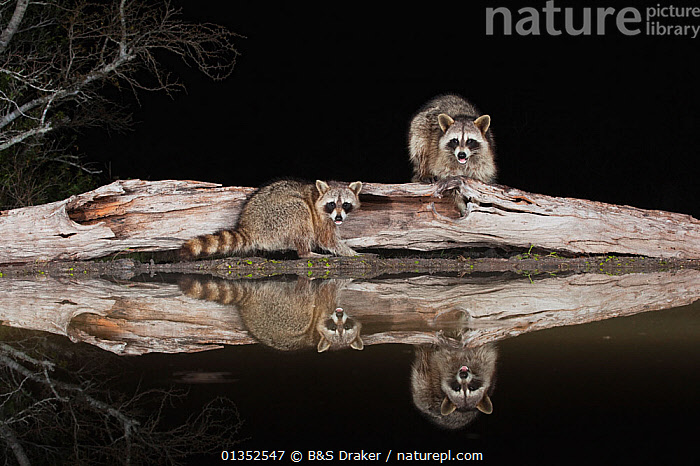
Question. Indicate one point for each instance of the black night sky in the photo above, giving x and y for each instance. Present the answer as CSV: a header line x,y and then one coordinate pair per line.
x,y
327,92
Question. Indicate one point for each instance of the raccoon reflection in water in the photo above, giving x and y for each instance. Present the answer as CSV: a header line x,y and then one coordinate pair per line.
x,y
450,385
286,315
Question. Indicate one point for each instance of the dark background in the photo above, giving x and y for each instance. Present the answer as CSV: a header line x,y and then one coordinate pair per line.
x,y
328,92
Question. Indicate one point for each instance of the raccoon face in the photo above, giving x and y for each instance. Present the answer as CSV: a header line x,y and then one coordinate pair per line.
x,y
338,201
464,391
463,137
339,330
452,385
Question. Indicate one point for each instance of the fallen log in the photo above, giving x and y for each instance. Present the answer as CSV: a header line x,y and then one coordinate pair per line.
x,y
136,215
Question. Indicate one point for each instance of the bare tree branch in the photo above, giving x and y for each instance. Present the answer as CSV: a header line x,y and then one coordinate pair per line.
x,y
13,25
53,67
17,138
11,439
40,397
60,61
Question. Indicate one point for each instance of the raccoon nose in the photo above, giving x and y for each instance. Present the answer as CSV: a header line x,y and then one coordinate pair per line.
x,y
338,218
462,157
463,372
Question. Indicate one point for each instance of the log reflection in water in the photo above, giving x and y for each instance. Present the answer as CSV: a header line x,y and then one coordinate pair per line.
x,y
503,307
138,317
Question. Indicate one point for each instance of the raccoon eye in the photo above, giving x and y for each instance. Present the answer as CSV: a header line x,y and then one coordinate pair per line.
x,y
347,207
330,207
330,325
475,385
349,325
455,386
472,143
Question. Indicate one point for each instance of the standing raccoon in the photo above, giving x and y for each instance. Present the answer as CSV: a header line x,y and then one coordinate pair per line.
x,y
450,385
284,215
449,137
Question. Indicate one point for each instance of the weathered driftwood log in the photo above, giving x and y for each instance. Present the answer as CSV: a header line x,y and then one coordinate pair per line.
x,y
137,317
137,215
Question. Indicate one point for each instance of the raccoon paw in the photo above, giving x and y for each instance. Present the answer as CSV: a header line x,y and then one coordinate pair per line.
x,y
445,184
343,250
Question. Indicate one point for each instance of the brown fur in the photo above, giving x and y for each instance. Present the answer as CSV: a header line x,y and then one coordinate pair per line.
x,y
282,314
284,215
439,121
434,372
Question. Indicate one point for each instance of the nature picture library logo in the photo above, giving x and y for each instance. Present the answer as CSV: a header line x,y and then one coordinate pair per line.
x,y
561,18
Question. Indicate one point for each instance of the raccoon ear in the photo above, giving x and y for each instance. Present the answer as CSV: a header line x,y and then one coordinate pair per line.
x,y
447,407
357,343
485,405
483,123
356,187
322,186
445,121
323,345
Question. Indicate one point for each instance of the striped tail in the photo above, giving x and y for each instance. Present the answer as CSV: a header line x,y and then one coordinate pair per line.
x,y
217,290
223,242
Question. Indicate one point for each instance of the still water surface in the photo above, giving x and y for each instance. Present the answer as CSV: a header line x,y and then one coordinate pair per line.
x,y
357,366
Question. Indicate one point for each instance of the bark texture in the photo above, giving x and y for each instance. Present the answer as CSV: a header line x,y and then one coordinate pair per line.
x,y
132,317
135,215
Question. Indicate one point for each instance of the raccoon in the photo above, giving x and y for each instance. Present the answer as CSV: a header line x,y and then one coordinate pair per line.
x,y
284,215
450,385
449,137
282,314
